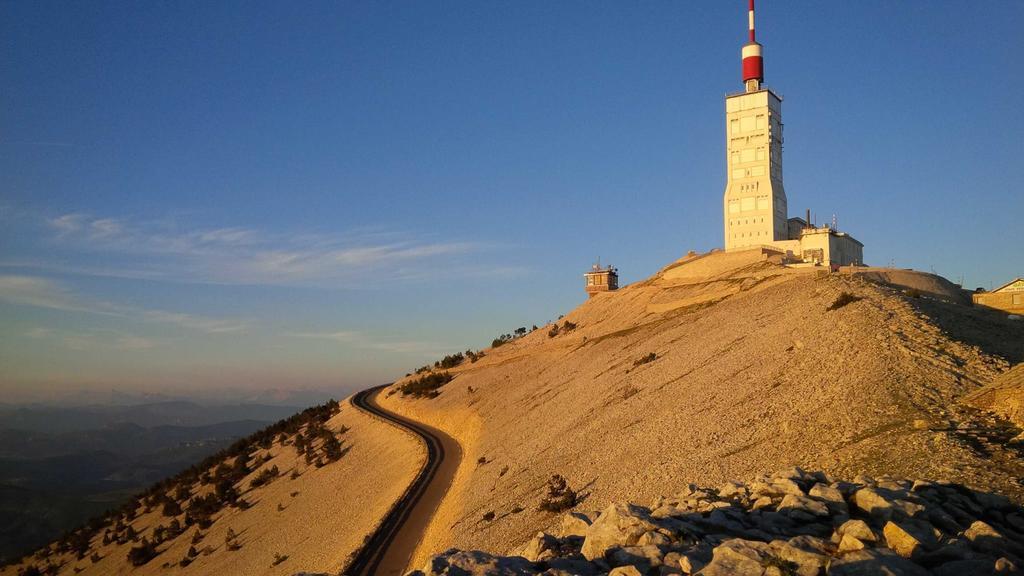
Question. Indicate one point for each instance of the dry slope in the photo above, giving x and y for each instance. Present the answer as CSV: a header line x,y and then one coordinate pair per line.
x,y
756,369
313,521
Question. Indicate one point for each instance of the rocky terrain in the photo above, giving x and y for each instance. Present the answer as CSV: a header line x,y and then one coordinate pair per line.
x,y
787,524
1003,396
722,366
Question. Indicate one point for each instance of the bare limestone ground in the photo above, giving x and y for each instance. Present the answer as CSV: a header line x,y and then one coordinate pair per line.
x,y
753,373
316,519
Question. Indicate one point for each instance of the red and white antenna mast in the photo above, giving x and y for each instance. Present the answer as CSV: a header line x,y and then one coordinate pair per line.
x,y
753,63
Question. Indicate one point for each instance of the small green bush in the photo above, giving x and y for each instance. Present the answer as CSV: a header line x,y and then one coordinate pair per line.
x,y
556,330
332,448
264,477
142,553
426,386
171,508
450,361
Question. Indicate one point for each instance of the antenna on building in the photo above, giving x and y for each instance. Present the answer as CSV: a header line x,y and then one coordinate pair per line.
x,y
835,222
751,17
753,63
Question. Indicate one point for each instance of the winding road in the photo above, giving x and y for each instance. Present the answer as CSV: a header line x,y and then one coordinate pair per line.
x,y
389,549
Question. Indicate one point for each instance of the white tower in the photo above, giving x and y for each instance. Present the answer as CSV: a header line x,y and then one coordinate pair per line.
x,y
755,200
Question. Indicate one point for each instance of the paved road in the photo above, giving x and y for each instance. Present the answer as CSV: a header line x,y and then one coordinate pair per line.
x,y
389,549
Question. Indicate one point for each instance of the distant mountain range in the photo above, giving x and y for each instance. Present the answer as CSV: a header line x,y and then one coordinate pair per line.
x,y
57,420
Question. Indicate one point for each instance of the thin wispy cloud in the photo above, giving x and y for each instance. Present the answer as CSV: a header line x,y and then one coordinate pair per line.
x,y
44,293
67,224
193,322
358,340
91,340
235,255
131,342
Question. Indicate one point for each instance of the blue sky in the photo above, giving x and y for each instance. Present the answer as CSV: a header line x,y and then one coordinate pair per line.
x,y
213,195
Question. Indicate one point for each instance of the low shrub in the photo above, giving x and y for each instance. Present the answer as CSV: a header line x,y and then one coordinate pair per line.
x,y
171,508
426,386
450,361
231,541
560,497
264,477
843,299
646,359
782,566
332,449
556,330
142,553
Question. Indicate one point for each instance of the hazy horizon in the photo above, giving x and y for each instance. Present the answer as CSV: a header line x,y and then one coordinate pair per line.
x,y
228,198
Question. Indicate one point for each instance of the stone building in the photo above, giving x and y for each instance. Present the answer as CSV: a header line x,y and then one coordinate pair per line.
x,y
1008,297
601,279
754,206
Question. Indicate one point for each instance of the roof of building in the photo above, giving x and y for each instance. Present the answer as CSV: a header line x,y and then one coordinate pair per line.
x,y
1011,283
828,230
763,89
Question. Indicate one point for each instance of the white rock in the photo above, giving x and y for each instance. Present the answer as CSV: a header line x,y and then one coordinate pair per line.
x,y
618,525
574,524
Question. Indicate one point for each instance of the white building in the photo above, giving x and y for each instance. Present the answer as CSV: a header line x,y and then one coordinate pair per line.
x,y
754,205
